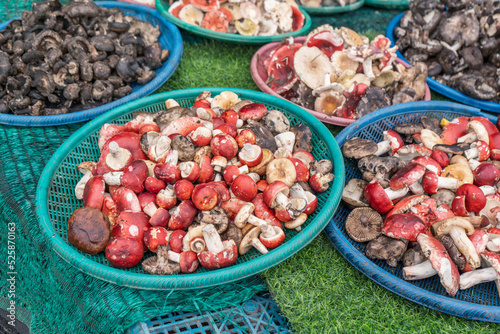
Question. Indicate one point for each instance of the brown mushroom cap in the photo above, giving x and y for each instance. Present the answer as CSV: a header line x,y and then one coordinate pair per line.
x,y
159,264
233,233
358,148
363,224
89,230
385,248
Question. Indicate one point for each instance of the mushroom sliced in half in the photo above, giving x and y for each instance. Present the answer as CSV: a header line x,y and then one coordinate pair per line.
x,y
385,248
439,263
311,65
363,224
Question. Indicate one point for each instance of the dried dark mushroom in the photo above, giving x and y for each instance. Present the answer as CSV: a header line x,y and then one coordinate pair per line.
x,y
413,256
453,251
358,148
443,196
216,216
160,264
184,146
66,57
303,137
233,233
263,137
385,248
363,224
276,122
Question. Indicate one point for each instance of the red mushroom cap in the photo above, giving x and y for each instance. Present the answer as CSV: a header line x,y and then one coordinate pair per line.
x,y
156,236
176,240
407,176
454,130
441,158
490,127
222,191
430,182
232,207
131,225
225,145
304,156
261,185
274,241
253,111
377,198
183,189
320,182
407,203
264,212
134,176
202,136
146,198
395,139
126,199
486,174
443,212
154,185
124,252
204,197
190,171
207,173
93,193
189,262
245,137
312,203
282,214
403,226
182,126
167,172
230,173
244,188
479,239
182,216
327,41
474,197
250,155
166,198
495,146
160,217
429,163
425,211
437,254
272,190
483,148
230,117
224,258
229,129
110,209
301,170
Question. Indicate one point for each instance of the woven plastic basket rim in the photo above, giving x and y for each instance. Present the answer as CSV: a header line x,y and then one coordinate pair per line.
x,y
196,280
229,38
162,75
259,81
388,4
328,10
391,282
439,87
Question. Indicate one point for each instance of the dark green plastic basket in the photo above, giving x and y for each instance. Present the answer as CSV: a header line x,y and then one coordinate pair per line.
x,y
330,10
56,200
162,6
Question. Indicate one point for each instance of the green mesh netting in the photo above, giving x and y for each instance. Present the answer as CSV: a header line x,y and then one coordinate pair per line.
x,y
60,298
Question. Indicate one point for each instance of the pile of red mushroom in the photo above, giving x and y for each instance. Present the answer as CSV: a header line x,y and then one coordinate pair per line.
x,y
437,183
340,73
199,185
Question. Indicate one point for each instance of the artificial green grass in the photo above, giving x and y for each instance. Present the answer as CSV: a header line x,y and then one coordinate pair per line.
x,y
316,289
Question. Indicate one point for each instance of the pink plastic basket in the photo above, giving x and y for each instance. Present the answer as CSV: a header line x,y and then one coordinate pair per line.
x,y
259,75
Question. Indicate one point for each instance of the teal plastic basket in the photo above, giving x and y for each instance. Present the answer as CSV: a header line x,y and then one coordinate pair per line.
x,y
162,7
56,200
330,10
388,4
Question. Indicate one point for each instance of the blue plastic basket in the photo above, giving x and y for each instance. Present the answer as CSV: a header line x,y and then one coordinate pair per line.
x,y
439,87
170,38
260,314
480,302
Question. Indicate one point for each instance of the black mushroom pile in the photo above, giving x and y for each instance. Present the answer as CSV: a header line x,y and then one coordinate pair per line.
x,y
458,40
65,58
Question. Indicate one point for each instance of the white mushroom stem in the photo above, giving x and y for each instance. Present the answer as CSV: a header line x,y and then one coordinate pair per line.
x,y
488,190
383,147
242,216
419,271
468,138
174,257
476,277
212,239
473,163
234,161
218,177
416,188
394,194
172,157
256,221
448,183
368,69
150,209
243,169
471,153
80,186
259,246
255,177
281,200
493,244
117,157
286,140
465,246
113,178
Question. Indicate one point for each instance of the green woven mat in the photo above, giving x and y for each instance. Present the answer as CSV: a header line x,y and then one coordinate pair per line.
x,y
62,299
